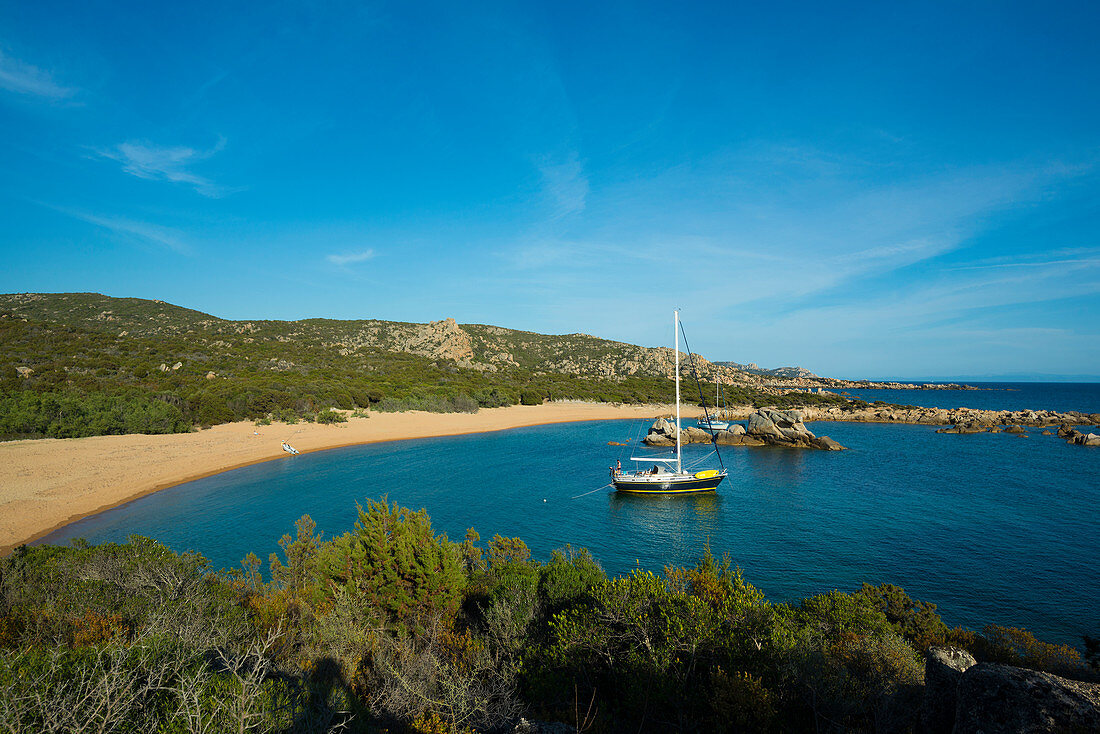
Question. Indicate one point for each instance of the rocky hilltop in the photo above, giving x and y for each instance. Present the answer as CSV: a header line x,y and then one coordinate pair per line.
x,y
471,346
480,347
784,373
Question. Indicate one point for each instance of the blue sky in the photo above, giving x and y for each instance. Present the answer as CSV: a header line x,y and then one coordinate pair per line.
x,y
861,189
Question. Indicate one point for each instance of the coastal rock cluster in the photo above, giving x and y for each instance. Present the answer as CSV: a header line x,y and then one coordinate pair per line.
x,y
1066,431
1072,435
766,427
972,420
966,697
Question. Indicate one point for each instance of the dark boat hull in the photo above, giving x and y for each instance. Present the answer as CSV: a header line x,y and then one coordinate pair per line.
x,y
688,486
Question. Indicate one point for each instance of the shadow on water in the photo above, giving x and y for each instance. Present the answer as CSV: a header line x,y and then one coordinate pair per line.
x,y
778,465
665,527
682,507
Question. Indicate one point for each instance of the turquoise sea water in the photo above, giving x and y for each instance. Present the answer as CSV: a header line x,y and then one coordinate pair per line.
x,y
991,527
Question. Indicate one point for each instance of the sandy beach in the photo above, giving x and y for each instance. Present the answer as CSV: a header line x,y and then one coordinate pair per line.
x,y
48,483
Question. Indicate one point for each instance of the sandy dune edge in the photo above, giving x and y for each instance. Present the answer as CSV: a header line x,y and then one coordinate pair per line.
x,y
48,483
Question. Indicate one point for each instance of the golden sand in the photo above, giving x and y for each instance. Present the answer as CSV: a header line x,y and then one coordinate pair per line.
x,y
48,483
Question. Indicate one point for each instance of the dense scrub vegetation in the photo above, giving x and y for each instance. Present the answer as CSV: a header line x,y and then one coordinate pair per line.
x,y
155,368
392,627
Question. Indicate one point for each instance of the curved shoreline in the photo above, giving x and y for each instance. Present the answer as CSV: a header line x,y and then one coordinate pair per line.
x,y
50,483
55,482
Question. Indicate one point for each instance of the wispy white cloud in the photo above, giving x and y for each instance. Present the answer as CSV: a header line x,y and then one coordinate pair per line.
x,y
350,258
142,231
22,78
795,253
982,294
1031,264
167,163
564,182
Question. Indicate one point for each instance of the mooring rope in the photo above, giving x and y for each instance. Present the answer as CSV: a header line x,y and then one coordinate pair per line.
x,y
597,489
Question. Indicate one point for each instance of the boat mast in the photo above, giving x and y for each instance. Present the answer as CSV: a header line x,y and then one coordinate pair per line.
x,y
676,331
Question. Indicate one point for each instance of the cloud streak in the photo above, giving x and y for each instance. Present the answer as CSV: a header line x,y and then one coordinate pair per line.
x,y
809,253
1031,264
22,78
565,184
167,163
345,259
143,231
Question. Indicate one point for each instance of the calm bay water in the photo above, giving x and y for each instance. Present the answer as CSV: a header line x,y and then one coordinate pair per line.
x,y
991,527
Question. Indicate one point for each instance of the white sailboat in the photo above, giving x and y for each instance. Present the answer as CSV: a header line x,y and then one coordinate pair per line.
x,y
713,423
671,478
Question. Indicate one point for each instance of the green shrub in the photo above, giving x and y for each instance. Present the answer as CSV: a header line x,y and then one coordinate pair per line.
x,y
397,564
328,417
1018,647
571,576
914,620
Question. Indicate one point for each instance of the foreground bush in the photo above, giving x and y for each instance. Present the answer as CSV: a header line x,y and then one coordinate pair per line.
x,y
392,627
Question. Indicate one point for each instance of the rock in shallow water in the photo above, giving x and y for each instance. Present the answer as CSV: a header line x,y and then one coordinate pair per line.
x,y
766,427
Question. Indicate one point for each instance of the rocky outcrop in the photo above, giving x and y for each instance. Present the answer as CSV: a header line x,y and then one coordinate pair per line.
x,y
1080,439
440,340
786,428
737,438
996,699
962,696
943,667
766,427
968,420
778,426
661,433
968,427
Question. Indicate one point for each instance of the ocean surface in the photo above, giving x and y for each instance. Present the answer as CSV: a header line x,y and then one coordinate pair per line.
x,y
990,527
1061,396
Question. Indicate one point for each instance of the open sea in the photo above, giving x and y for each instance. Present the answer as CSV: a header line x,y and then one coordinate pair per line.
x,y
993,528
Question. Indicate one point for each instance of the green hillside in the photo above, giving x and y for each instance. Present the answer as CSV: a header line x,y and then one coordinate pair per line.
x,y
87,364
